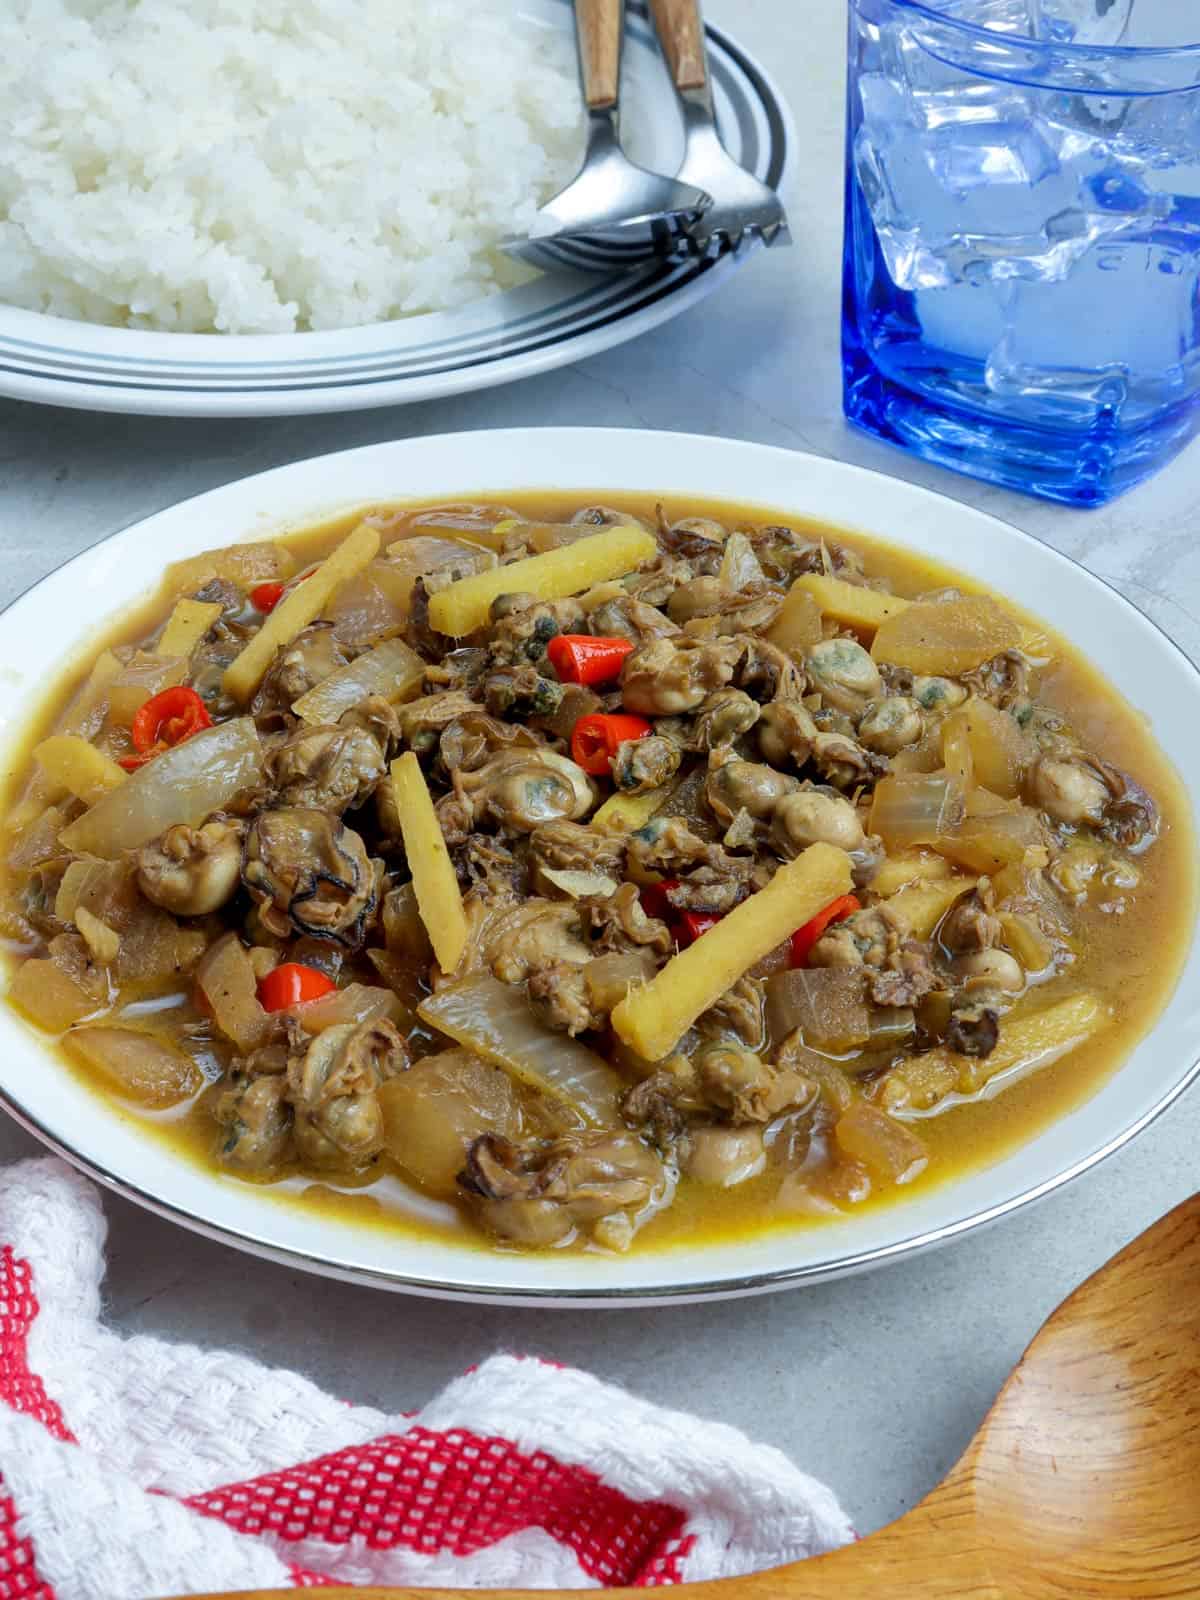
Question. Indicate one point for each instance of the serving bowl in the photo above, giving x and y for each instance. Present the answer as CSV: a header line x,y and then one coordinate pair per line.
x,y
1138,659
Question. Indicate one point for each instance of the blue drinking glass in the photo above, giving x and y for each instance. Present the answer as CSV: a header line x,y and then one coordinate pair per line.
x,y
1022,256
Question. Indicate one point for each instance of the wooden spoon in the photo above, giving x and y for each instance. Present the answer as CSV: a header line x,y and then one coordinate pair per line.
x,y
1083,1483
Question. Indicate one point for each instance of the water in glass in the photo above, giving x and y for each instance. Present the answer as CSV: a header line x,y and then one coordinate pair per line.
x,y
1023,236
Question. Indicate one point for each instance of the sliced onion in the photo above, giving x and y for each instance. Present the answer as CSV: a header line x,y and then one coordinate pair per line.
x,y
739,565
138,680
364,610
827,1004
946,637
420,557
226,977
139,1066
243,564
891,1025
404,932
37,841
494,1019
578,884
888,1149
357,1002
1000,749
994,840
186,784
433,1112
391,670
73,886
50,996
480,524
541,536
913,808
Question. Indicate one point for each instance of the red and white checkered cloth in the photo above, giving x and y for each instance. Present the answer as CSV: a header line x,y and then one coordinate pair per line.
x,y
134,1468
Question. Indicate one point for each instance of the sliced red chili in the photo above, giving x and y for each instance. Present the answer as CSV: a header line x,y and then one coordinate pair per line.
x,y
654,898
266,596
587,658
132,763
691,924
595,739
804,938
292,984
166,719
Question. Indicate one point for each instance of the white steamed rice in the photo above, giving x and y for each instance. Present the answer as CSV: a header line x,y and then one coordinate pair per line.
x,y
267,166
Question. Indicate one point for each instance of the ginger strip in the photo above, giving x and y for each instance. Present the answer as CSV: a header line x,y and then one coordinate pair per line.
x,y
226,978
84,716
848,603
439,898
1026,941
925,904
624,813
908,868
86,712
465,605
390,670
1026,1042
798,626
652,1019
946,638
297,609
77,765
186,626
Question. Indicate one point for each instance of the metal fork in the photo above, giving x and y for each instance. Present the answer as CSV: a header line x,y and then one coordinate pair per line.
x,y
743,210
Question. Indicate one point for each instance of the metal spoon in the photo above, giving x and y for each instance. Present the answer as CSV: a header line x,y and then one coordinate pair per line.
x,y
613,214
1083,1483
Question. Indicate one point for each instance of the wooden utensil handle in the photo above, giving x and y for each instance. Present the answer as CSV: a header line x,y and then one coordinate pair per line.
x,y
681,34
598,27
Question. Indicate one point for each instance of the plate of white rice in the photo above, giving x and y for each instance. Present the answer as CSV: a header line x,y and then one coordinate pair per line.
x,y
258,207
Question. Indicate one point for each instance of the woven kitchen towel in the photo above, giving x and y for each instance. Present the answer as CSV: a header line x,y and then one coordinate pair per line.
x,y
134,1468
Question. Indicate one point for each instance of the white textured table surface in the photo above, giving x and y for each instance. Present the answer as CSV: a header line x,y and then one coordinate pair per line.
x,y
876,1383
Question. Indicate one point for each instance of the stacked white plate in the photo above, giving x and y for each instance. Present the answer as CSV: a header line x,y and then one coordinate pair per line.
x,y
549,323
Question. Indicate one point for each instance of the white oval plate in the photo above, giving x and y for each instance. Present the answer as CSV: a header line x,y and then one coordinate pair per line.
x,y
548,323
1130,650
